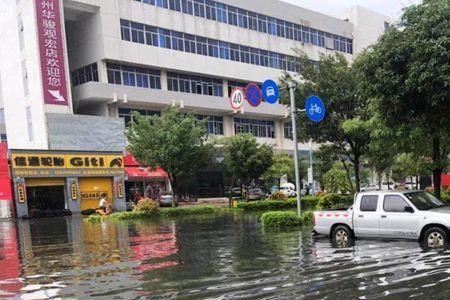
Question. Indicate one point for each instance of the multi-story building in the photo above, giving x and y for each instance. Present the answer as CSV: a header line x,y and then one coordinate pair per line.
x,y
73,72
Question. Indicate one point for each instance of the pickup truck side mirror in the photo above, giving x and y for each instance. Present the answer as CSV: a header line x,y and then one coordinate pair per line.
x,y
409,209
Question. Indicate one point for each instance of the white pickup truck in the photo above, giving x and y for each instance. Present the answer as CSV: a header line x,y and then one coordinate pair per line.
x,y
406,214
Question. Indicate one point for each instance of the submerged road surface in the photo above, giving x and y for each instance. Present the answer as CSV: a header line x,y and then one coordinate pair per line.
x,y
226,257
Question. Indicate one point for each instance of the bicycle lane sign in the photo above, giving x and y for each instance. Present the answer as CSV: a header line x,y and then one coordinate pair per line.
x,y
315,109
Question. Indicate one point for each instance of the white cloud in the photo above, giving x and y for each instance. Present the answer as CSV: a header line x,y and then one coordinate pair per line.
x,y
391,8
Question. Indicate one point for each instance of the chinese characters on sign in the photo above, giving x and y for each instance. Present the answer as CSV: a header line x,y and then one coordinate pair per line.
x,y
63,165
51,51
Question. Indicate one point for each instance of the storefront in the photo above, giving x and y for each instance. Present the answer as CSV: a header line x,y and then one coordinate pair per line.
x,y
58,181
143,182
6,197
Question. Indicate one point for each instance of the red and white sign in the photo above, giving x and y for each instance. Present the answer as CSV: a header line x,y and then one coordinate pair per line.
x,y
237,98
51,50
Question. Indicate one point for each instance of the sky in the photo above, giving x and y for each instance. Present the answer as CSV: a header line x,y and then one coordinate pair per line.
x,y
391,8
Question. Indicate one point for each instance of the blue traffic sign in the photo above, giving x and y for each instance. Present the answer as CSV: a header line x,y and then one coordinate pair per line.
x,y
270,91
315,109
253,94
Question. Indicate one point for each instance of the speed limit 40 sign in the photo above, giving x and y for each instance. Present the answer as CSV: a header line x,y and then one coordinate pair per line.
x,y
237,98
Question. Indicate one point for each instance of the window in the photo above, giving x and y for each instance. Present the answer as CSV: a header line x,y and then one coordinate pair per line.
x,y
213,124
125,30
394,203
29,124
258,128
199,8
85,74
210,8
137,33
222,13
228,14
187,6
288,131
127,114
369,203
179,41
185,83
133,76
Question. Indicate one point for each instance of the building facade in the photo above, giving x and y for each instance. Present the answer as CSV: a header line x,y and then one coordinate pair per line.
x,y
74,71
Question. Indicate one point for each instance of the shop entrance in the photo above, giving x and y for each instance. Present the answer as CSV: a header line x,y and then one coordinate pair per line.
x,y
93,189
45,197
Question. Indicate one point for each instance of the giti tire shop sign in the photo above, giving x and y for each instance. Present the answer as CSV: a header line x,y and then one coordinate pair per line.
x,y
39,164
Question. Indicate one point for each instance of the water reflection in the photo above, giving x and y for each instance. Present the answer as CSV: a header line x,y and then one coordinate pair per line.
x,y
226,257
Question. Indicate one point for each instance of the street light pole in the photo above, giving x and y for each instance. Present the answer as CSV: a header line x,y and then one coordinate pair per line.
x,y
294,133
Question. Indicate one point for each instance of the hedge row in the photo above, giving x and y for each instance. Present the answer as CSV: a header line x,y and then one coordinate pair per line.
x,y
165,213
277,219
329,201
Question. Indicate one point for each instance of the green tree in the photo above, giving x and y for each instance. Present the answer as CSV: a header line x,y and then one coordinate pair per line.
x,y
174,141
335,180
283,164
246,159
408,73
346,125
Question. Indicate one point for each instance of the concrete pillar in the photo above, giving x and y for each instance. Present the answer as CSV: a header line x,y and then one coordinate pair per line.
x,y
163,80
102,71
279,134
228,125
26,246
225,88
22,208
73,196
119,203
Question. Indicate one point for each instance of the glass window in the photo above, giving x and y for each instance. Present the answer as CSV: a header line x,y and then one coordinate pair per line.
x,y
252,21
175,5
262,23
224,50
137,33
164,38
369,203
177,41
394,203
125,30
424,200
272,26
85,74
133,76
213,48
199,8
151,36
187,7
222,13
242,18
258,128
202,46
189,43
288,131
210,8
232,15
281,28
162,3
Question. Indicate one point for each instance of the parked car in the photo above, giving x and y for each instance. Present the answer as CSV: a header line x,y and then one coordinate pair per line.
x,y
256,194
288,191
372,187
165,201
406,215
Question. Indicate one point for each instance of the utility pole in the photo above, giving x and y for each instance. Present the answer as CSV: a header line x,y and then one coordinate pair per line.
x,y
294,133
311,166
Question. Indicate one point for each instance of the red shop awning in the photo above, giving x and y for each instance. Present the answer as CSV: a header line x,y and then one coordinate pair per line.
x,y
139,173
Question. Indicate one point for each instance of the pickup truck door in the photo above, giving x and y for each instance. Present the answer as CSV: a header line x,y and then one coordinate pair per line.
x,y
395,221
366,215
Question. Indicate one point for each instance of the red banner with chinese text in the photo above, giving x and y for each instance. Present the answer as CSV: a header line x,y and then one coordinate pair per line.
x,y
51,52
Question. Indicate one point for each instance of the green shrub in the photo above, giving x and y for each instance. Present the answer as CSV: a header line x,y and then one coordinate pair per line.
x,y
445,196
335,202
307,218
147,206
94,218
129,215
276,219
309,202
279,196
267,205
186,211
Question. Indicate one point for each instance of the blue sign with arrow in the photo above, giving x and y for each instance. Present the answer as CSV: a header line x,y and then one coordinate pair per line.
x,y
315,109
270,91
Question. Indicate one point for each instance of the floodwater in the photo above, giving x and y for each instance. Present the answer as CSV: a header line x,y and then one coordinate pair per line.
x,y
225,257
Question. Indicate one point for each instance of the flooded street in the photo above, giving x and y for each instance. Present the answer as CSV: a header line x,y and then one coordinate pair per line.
x,y
226,257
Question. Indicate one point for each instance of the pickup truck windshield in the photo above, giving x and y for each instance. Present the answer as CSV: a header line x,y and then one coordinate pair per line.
x,y
424,200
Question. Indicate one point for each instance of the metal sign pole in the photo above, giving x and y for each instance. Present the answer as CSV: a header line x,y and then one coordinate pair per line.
x,y
294,133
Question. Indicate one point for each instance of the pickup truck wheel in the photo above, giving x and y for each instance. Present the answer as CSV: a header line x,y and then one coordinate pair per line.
x,y
341,236
435,237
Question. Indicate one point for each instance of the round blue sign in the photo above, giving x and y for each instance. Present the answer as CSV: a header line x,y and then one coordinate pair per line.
x,y
315,109
253,94
270,91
